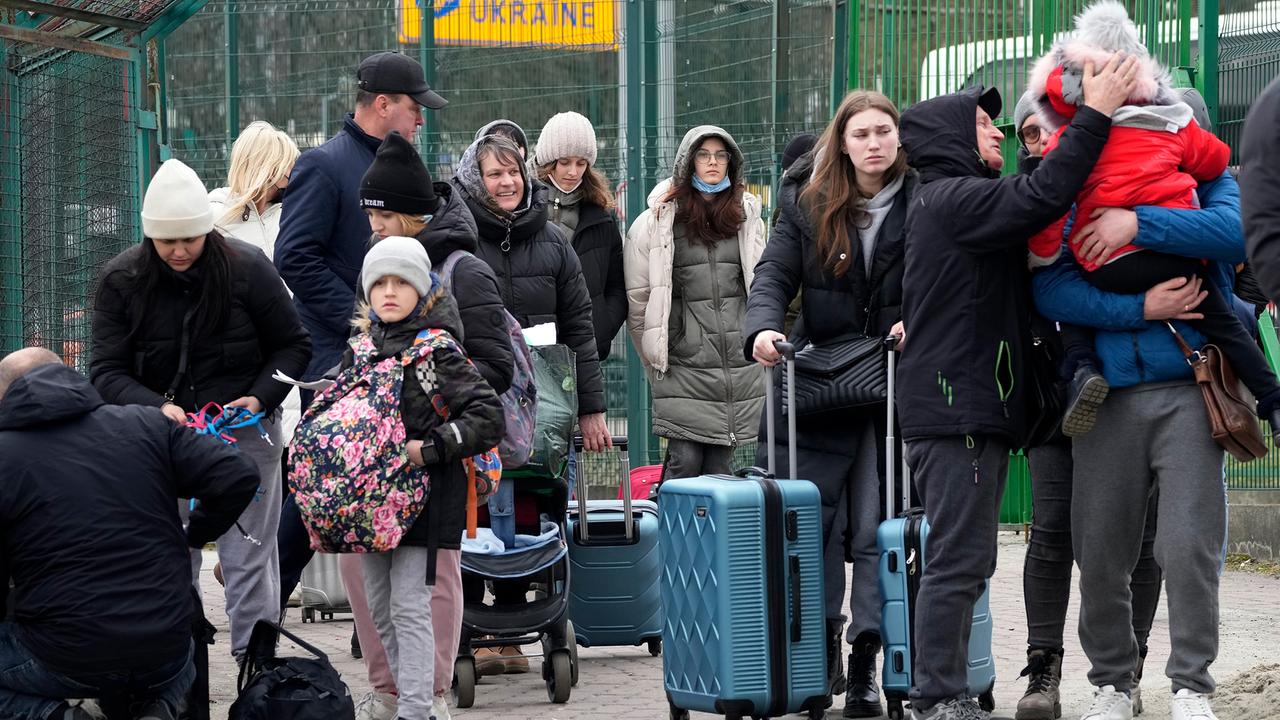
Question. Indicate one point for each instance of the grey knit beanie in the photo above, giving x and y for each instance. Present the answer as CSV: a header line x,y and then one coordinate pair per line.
x,y
400,256
1025,108
566,134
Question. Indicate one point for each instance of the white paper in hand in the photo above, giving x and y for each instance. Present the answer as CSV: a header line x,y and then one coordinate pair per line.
x,y
315,385
544,334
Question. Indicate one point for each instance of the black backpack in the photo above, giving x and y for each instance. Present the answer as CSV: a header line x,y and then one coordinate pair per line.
x,y
276,688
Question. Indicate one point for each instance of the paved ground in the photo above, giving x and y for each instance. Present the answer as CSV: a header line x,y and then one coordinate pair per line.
x,y
626,683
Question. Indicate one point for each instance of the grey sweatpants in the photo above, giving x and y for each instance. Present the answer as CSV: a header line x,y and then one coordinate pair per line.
x,y
1157,433
400,603
960,481
686,458
251,567
860,476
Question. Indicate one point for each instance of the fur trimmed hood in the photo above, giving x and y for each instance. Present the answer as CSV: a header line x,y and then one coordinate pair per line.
x,y
1055,82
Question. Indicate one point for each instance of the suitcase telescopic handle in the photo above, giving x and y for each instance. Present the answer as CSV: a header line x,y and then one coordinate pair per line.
x,y
788,352
890,441
580,484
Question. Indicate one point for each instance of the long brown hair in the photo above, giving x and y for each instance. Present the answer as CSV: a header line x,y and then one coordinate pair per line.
x,y
709,221
832,198
595,188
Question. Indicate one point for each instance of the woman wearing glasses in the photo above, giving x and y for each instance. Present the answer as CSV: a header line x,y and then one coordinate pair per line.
x,y
1031,138
689,261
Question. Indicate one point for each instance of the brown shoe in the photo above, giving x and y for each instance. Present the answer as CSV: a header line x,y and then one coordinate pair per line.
x,y
514,660
489,662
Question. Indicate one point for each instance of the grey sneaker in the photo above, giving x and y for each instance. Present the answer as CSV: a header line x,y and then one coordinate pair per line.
x,y
954,709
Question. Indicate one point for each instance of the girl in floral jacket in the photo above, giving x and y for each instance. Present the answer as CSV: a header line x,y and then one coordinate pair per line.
x,y
402,298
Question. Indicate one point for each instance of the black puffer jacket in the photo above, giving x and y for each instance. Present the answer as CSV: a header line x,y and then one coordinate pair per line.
x,y
541,281
474,410
831,307
599,247
136,349
966,288
88,528
475,288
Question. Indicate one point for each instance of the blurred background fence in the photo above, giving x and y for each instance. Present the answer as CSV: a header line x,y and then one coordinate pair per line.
x,y
96,92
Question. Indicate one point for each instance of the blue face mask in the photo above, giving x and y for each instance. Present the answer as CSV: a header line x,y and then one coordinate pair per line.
x,y
704,187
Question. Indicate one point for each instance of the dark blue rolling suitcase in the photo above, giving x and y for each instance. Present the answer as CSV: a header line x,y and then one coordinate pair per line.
x,y
742,592
614,596
902,542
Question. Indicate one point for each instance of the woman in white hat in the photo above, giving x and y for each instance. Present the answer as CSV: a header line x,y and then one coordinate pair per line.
x,y
189,317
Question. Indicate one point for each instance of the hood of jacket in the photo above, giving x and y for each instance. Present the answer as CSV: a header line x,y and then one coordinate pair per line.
x,y
1055,81
689,145
940,135
439,312
469,179
46,394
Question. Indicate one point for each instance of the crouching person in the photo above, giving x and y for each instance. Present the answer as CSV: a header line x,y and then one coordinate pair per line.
x,y
98,556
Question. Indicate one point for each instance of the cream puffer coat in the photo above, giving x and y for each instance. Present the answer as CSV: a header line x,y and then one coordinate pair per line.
x,y
707,393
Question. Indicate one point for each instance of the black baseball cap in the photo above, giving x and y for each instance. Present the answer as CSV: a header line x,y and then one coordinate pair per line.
x,y
395,74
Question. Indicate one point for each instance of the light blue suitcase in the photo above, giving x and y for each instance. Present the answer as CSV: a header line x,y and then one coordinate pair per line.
x,y
743,595
902,542
614,569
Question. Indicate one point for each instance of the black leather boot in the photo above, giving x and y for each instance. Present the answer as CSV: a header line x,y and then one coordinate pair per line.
x,y
862,698
835,657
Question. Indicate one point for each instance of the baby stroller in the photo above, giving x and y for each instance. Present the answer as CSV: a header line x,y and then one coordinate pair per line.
x,y
539,558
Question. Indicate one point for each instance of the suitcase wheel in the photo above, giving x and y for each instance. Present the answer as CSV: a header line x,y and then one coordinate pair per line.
x,y
677,713
987,700
464,682
895,710
655,646
308,615
557,671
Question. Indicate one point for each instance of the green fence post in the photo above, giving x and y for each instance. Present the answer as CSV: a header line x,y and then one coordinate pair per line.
x,y
1207,67
10,210
839,52
638,416
426,57
779,70
853,27
231,60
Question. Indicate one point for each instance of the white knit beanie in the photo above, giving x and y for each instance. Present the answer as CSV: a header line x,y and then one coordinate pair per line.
x,y
400,256
566,134
176,205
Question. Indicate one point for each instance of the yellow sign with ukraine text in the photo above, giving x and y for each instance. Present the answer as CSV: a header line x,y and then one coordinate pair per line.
x,y
572,24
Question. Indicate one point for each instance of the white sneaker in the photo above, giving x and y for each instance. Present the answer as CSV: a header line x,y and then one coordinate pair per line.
x,y
377,706
440,709
1109,704
1188,705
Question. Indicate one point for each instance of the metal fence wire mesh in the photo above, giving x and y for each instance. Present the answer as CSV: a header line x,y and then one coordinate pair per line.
x,y
68,191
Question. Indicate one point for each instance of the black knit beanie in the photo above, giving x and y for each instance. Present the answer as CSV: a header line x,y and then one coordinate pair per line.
x,y
397,180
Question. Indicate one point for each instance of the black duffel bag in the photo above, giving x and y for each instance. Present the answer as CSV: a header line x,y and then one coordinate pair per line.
x,y
291,688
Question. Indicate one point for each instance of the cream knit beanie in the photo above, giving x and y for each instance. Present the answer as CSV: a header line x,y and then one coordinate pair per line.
x,y
566,134
176,205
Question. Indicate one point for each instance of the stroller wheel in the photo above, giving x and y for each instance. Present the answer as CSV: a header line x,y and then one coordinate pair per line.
x,y
464,682
558,671
571,639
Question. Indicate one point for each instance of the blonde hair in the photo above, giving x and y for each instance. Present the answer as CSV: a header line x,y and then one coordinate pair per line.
x,y
260,158
411,225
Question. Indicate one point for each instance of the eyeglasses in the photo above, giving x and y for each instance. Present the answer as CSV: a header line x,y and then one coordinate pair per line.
x,y
705,156
1029,134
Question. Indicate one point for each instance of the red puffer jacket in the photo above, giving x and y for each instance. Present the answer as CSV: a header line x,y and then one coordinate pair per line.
x,y
1138,166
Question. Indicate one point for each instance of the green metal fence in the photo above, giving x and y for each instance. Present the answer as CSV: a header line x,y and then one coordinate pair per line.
x,y
80,138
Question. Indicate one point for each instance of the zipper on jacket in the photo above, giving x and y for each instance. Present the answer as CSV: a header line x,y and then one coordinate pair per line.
x,y
1004,353
724,358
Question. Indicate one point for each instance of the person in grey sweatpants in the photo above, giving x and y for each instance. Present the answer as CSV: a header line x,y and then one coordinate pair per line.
x,y
251,565
400,603
1154,434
